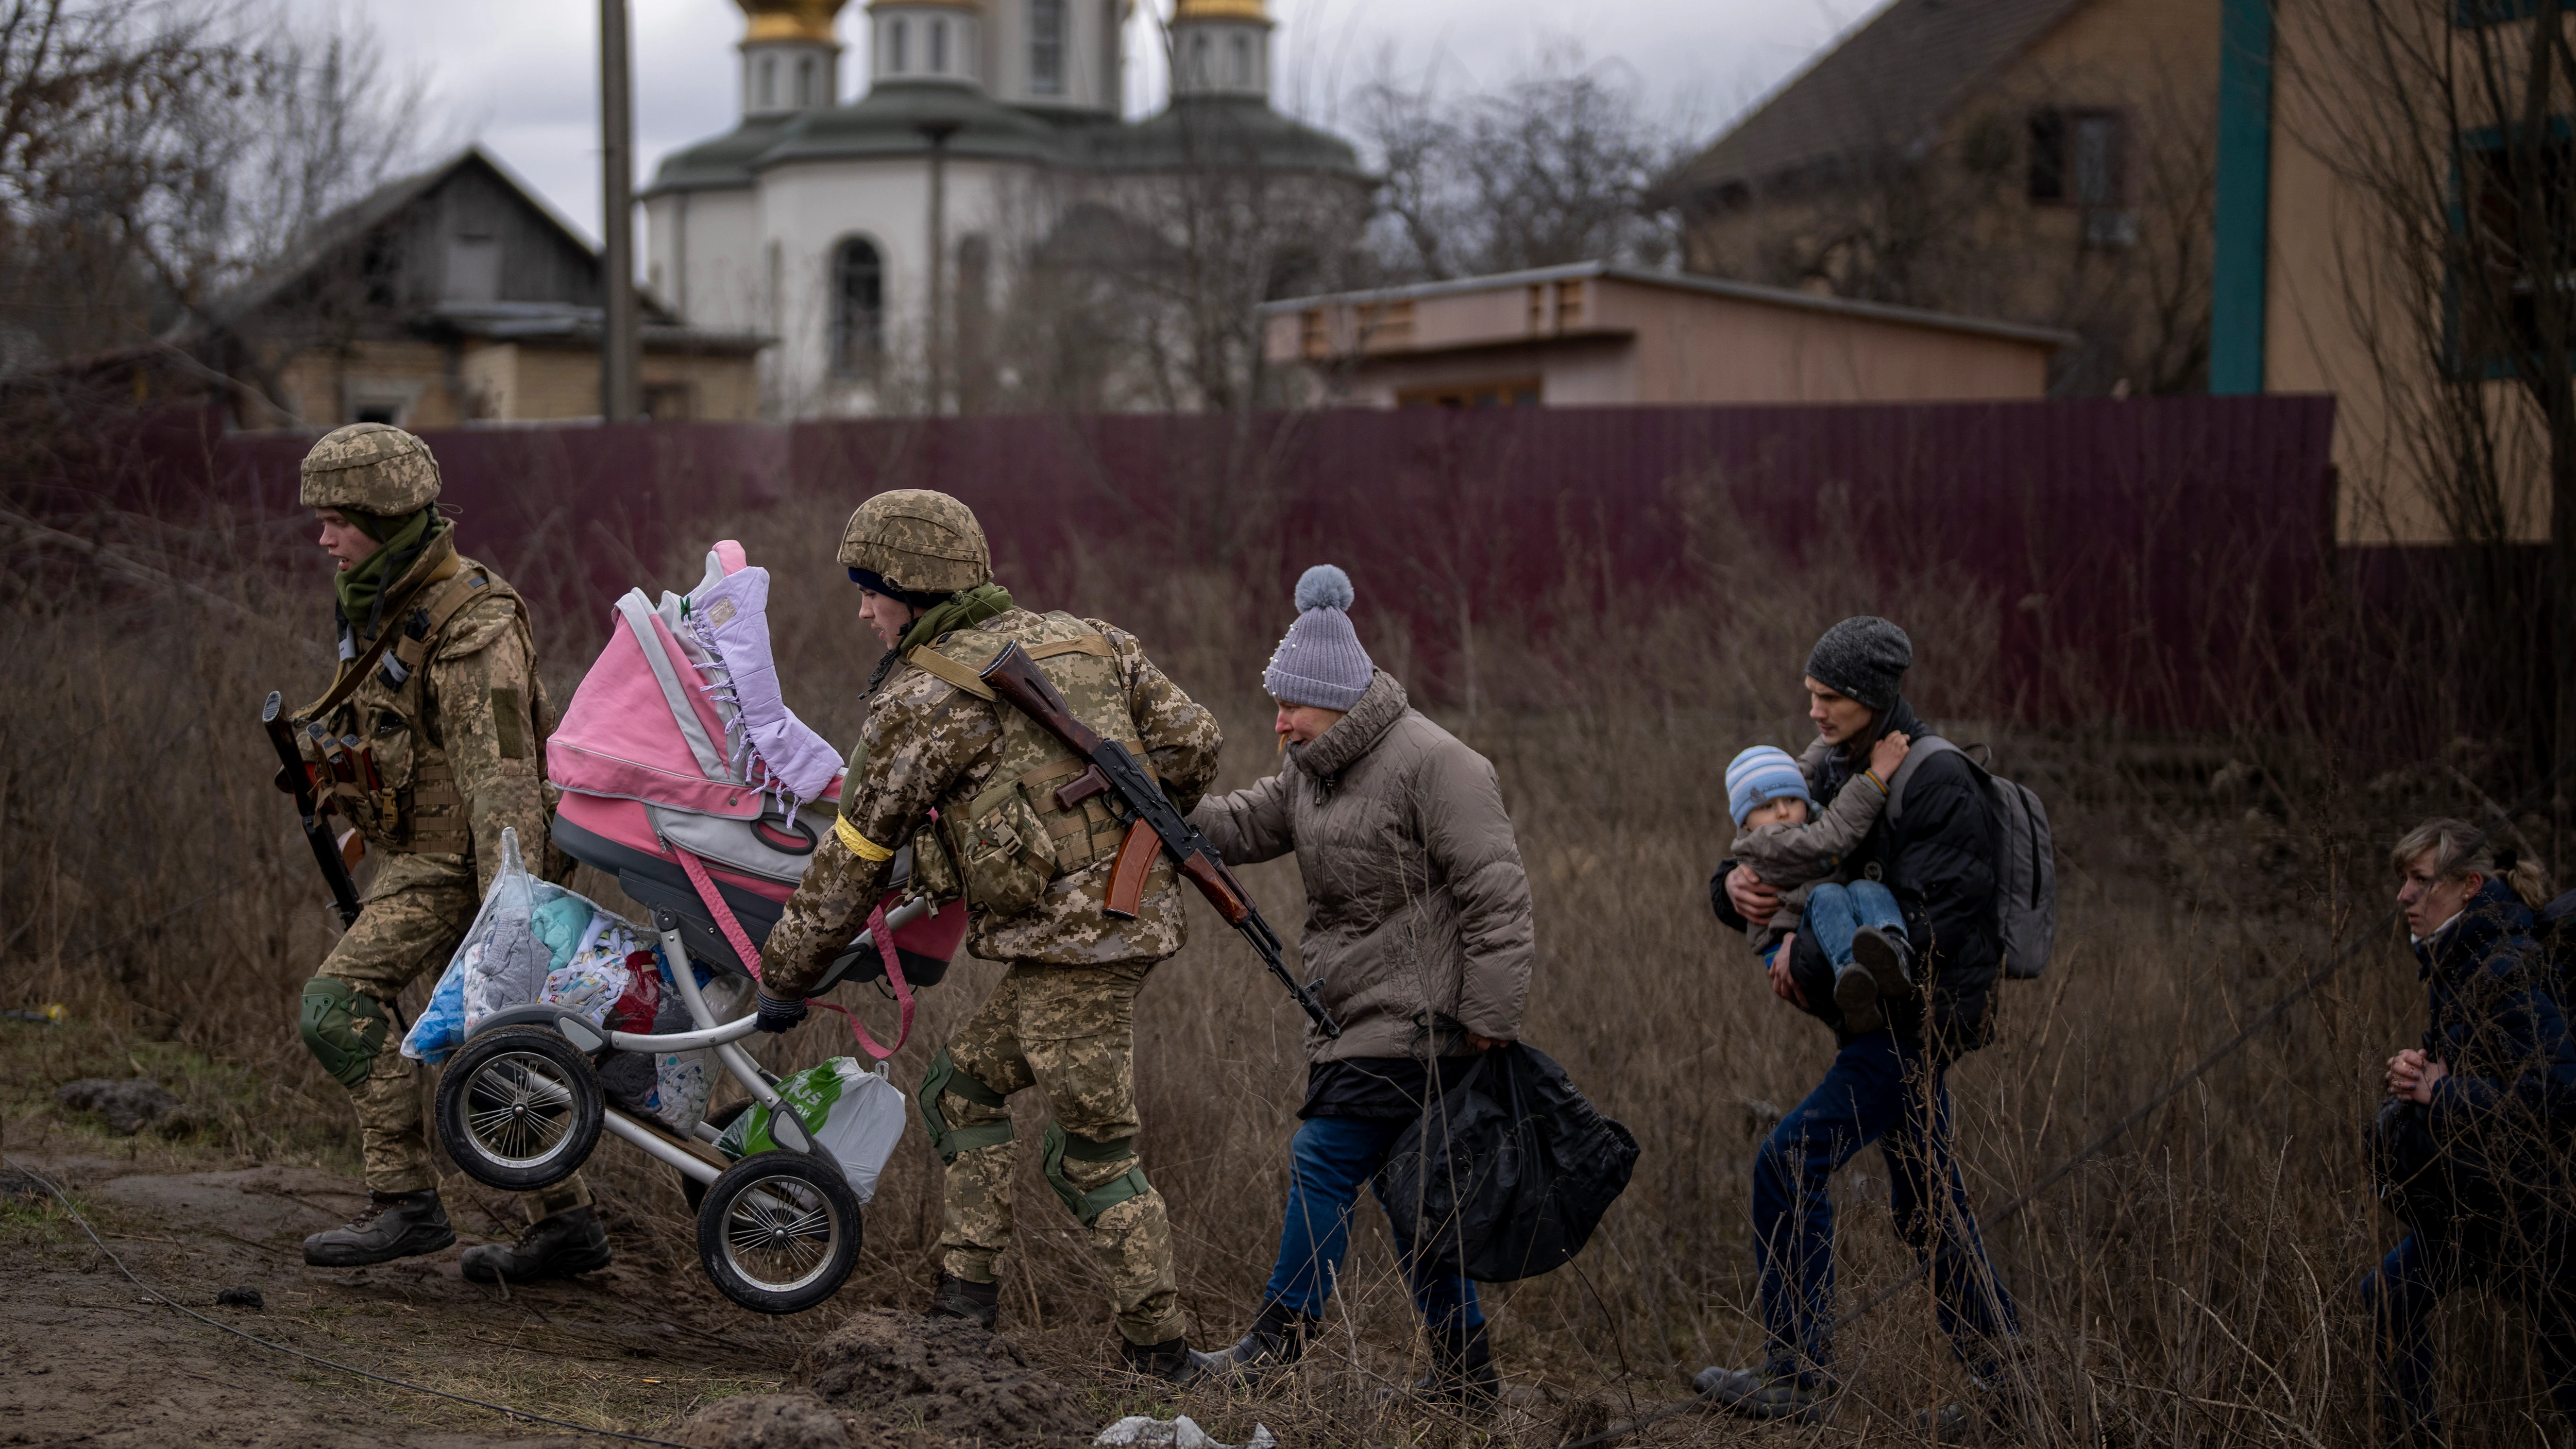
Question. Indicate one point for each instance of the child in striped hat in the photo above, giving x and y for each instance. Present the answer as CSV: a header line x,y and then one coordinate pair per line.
x,y
1859,931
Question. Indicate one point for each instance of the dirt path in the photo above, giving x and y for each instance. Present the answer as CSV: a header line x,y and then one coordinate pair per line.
x,y
87,1359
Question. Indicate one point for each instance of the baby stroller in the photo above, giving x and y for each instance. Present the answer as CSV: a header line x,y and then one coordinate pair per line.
x,y
685,777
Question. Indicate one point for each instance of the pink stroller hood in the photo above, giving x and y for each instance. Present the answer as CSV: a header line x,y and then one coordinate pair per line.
x,y
641,727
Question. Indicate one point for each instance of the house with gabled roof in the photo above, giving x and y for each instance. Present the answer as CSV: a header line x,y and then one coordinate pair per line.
x,y
449,297
2042,162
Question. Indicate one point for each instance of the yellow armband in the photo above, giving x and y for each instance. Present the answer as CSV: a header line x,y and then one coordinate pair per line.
x,y
860,845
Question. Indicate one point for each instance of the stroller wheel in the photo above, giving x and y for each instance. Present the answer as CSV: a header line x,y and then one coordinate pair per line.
x,y
519,1108
779,1232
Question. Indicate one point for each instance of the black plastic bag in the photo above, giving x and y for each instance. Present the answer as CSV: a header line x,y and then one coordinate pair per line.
x,y
2436,1193
1505,1175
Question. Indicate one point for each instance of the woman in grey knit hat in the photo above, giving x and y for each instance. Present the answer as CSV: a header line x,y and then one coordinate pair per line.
x,y
1417,923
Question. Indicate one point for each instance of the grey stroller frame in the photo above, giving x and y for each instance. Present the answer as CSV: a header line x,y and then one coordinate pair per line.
x,y
520,1106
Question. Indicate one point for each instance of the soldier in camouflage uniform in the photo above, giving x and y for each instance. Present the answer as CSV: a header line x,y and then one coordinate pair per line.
x,y
437,721
1035,869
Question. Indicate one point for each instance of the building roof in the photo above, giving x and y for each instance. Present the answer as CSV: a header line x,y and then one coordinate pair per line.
x,y
561,322
1887,86
1707,286
893,118
717,164
1200,131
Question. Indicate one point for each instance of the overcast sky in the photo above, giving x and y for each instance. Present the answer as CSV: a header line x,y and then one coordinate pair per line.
x,y
521,76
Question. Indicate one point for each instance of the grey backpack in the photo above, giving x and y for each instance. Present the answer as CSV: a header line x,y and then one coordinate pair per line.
x,y
2025,860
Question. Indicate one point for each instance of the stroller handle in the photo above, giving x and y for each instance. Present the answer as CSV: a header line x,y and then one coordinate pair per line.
x,y
743,1026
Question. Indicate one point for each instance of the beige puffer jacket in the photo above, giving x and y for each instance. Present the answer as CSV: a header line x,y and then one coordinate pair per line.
x,y
1417,910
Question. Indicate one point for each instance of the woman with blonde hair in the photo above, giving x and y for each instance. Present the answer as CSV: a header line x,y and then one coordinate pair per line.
x,y
2468,1146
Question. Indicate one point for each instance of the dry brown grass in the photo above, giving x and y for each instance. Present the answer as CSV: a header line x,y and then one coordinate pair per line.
x,y
2194,1285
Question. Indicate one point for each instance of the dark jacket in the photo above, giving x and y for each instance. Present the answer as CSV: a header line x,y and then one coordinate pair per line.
x,y
1938,860
2496,1025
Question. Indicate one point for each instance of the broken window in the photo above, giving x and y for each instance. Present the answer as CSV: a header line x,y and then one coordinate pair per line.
x,y
2077,157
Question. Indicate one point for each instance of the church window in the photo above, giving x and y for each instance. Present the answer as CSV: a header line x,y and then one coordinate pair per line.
x,y
858,307
805,81
1243,62
898,38
939,47
768,81
1046,47
1200,71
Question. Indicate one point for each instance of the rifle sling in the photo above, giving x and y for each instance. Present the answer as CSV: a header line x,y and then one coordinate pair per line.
x,y
931,661
440,563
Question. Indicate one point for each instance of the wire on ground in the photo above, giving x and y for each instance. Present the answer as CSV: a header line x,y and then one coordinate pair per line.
x,y
502,1409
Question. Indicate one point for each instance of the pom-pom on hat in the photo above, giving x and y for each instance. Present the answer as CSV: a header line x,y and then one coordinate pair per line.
x,y
1760,775
1320,662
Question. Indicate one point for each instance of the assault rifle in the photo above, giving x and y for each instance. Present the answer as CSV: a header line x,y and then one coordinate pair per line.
x,y
1153,825
296,779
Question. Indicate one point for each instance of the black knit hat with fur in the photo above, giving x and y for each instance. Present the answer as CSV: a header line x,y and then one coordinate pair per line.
x,y
1864,658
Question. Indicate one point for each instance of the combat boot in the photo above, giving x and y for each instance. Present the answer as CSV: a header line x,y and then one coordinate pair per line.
x,y
978,1303
1173,1361
1276,1340
556,1247
392,1225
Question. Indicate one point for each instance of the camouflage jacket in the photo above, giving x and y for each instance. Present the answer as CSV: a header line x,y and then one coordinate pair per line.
x,y
454,744
931,743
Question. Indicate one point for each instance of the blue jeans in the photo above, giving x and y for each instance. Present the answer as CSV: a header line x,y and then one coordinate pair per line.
x,y
1328,1159
2399,1296
1835,914
1891,1092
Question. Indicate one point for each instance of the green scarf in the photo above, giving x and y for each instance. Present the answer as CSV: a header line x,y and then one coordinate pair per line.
x,y
400,542
957,611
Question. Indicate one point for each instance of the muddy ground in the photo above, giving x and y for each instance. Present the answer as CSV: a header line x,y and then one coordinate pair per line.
x,y
645,1347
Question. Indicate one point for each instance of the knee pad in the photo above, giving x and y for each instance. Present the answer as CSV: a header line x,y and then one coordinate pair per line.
x,y
344,1028
946,1078
1087,1207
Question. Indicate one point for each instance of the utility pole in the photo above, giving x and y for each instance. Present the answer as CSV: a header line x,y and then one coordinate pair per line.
x,y
938,131
620,359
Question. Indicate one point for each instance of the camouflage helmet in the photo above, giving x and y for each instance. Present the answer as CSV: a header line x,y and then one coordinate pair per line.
x,y
372,468
919,542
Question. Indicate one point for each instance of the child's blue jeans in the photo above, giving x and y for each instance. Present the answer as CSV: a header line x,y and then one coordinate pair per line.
x,y
1327,1161
1835,913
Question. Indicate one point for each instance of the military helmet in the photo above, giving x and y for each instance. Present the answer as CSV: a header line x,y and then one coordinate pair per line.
x,y
373,468
919,542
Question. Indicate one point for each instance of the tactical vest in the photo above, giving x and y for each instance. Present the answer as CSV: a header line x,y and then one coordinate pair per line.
x,y
381,747
1010,836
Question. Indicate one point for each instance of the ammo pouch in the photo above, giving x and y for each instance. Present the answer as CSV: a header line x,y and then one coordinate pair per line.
x,y
1002,851
934,870
1088,1206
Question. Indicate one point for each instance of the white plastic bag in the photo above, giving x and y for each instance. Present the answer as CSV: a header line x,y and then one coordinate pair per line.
x,y
502,963
861,1113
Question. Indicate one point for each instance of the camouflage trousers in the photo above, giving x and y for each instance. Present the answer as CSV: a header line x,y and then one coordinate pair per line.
x,y
1070,1032
414,914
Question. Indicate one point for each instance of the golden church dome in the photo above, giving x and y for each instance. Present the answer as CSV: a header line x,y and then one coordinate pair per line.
x,y
1184,11
806,20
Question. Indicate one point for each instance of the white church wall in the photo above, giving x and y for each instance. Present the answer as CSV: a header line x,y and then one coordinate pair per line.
x,y
808,209
703,257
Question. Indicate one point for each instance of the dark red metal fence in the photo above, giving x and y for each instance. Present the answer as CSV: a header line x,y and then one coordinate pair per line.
x,y
2135,557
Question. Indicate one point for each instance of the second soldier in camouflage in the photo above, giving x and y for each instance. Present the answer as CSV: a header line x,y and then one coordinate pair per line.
x,y
1036,874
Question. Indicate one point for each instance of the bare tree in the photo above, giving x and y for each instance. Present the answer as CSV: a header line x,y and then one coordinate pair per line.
x,y
1551,168
2445,120
155,156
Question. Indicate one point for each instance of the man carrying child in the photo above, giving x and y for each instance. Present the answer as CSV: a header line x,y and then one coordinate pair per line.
x,y
1907,991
